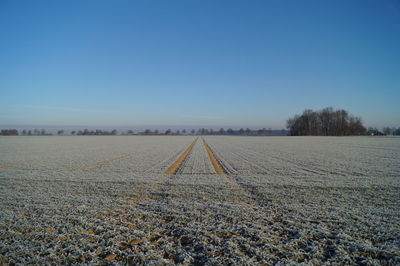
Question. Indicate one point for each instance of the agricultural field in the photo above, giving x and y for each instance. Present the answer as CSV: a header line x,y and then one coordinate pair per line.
x,y
199,200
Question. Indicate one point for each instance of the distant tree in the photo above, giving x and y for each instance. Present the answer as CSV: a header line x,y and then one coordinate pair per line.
x,y
193,131
29,133
241,131
184,131
114,132
24,132
326,118
156,132
230,131
221,131
43,132
248,131
60,132
130,132
355,126
387,131
168,132
373,131
73,132
9,132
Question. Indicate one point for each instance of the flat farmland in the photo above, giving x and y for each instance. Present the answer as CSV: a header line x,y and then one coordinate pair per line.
x,y
199,200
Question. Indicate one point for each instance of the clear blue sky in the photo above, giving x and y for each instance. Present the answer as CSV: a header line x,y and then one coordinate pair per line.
x,y
228,63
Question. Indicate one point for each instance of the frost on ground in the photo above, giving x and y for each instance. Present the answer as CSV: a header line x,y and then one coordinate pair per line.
x,y
106,200
197,162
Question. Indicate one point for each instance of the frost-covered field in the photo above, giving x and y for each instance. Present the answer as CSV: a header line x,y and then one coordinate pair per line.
x,y
284,199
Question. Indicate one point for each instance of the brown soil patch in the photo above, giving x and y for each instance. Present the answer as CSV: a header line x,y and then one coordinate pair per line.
x,y
216,164
178,163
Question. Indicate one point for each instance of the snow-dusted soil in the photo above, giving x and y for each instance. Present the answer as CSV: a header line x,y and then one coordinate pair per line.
x,y
286,199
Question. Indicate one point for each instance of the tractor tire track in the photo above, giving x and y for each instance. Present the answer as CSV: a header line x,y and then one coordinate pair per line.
x,y
175,167
236,182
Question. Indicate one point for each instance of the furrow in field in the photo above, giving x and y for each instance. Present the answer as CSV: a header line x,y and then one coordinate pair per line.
x,y
247,160
314,156
216,164
162,165
174,168
277,165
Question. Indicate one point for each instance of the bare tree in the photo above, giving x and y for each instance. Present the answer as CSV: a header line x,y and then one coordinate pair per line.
x,y
60,132
387,131
326,122
9,132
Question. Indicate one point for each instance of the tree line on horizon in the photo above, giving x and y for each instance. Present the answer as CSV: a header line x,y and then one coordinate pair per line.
x,y
203,131
148,132
326,122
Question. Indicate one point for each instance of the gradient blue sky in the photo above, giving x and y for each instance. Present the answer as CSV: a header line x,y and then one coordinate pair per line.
x,y
222,63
